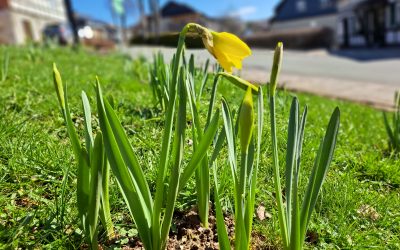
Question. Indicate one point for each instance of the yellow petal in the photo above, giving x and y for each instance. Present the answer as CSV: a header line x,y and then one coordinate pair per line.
x,y
236,61
230,44
223,60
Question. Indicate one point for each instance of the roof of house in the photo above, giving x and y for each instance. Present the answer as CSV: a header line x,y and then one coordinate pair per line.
x,y
286,9
173,8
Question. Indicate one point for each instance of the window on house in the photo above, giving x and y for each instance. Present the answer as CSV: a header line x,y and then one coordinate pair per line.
x,y
354,26
397,14
390,17
301,5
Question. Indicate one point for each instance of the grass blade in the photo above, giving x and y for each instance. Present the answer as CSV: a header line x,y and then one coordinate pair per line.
x,y
300,142
96,163
105,211
291,159
177,161
87,122
127,154
277,182
322,163
212,98
62,96
218,146
83,188
223,238
253,181
165,153
204,79
201,150
228,125
140,212
389,131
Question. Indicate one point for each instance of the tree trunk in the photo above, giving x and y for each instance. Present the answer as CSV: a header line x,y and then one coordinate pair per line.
x,y
123,29
71,19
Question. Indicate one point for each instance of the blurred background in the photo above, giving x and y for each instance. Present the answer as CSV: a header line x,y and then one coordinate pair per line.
x,y
300,24
348,49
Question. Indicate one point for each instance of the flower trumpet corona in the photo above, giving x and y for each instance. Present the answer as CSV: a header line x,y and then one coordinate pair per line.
x,y
227,48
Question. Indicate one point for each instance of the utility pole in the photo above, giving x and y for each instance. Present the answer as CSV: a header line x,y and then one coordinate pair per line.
x,y
155,9
143,19
71,19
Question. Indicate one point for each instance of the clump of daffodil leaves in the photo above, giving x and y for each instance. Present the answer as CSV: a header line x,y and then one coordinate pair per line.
x,y
153,213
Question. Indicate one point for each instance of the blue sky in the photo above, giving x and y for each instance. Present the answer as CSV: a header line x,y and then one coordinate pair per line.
x,y
245,9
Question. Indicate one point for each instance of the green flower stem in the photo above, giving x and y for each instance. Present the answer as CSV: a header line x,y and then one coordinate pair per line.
x,y
159,196
241,241
105,214
277,182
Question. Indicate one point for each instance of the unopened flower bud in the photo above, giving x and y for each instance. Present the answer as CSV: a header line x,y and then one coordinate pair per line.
x,y
246,120
58,85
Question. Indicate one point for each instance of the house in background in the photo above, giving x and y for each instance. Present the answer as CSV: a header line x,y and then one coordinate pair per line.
x,y
368,23
91,28
96,33
303,14
173,17
352,22
25,20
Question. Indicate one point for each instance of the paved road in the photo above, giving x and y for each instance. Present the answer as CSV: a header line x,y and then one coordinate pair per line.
x,y
365,76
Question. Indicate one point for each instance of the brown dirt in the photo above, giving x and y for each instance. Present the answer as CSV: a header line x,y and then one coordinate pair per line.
x,y
187,233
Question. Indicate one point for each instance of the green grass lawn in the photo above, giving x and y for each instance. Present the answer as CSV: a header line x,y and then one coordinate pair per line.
x,y
358,207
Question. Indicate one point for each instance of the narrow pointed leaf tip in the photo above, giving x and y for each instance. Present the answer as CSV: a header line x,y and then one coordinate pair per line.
x,y
58,85
276,67
246,120
243,84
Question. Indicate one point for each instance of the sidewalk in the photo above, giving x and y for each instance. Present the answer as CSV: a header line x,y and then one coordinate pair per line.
x,y
339,75
379,96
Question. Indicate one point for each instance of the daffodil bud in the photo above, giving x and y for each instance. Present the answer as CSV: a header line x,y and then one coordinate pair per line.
x,y
246,120
59,86
276,67
243,84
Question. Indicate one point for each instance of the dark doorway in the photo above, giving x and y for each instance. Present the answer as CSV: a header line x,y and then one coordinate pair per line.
x,y
372,14
345,24
27,30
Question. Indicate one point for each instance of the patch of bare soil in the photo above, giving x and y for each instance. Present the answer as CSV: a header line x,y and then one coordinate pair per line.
x,y
187,233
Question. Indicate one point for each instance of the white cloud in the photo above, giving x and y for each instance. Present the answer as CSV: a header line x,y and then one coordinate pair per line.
x,y
243,11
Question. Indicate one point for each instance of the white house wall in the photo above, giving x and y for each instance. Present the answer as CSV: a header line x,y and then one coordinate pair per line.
x,y
38,13
6,27
47,9
312,22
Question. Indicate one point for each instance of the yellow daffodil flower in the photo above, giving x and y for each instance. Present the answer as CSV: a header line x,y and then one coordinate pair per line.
x,y
227,48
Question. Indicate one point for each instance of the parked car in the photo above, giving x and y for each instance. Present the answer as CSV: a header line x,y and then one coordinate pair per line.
x,y
60,32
